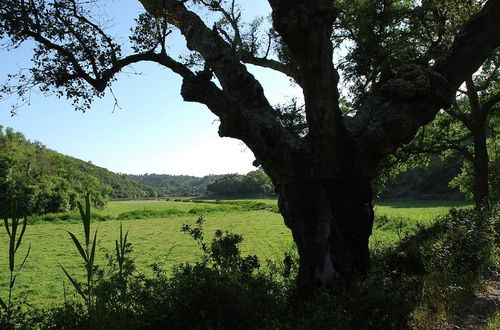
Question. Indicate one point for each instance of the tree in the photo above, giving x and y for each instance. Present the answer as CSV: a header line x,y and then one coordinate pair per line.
x,y
323,176
253,184
466,129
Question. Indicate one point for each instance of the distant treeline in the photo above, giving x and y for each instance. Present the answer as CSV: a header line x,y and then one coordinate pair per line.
x,y
177,185
41,180
253,184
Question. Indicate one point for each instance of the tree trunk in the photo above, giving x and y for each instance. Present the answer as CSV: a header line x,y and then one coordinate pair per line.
x,y
480,165
331,221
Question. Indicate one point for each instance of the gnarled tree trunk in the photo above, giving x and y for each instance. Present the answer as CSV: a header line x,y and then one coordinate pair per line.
x,y
331,221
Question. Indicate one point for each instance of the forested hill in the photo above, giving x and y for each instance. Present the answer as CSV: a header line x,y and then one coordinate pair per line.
x,y
46,181
253,184
180,185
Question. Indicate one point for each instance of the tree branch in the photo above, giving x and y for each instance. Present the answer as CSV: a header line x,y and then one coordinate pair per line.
x,y
312,50
393,114
473,98
491,102
271,64
241,105
472,46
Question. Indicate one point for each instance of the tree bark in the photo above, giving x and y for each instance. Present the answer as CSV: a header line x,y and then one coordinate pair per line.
x,y
480,165
331,221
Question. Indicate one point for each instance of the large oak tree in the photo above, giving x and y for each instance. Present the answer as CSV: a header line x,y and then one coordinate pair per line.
x,y
323,173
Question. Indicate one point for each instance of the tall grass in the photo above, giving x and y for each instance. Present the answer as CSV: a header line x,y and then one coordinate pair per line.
x,y
420,280
87,252
15,239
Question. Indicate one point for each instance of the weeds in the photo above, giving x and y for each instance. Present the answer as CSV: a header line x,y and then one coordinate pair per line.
x,y
14,243
419,281
87,251
121,250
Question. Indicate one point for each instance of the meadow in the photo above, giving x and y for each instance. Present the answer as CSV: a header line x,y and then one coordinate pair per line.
x,y
155,233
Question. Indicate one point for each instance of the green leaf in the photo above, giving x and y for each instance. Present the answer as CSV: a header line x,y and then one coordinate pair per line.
x,y
75,283
6,223
24,260
86,223
25,223
92,253
12,242
118,254
80,208
78,246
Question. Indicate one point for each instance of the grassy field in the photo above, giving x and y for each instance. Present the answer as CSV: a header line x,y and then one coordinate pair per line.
x,y
160,240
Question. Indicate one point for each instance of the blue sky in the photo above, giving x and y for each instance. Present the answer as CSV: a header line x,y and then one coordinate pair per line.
x,y
154,131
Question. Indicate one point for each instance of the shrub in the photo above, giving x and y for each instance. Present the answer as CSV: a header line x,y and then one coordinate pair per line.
x,y
418,283
440,266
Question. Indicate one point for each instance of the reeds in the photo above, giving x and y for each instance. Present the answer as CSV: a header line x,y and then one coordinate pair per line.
x,y
87,251
14,243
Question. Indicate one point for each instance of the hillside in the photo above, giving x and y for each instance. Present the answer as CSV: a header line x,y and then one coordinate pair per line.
x,y
253,184
180,185
41,180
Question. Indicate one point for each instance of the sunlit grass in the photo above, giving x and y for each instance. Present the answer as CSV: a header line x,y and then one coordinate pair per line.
x,y
161,240
153,241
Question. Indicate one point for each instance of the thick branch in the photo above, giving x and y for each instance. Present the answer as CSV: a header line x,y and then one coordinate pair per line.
x,y
241,105
473,96
272,64
248,56
218,55
393,114
472,46
306,28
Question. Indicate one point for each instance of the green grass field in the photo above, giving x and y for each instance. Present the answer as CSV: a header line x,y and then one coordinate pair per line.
x,y
160,240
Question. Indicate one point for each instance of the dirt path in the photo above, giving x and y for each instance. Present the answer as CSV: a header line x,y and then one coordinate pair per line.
x,y
482,307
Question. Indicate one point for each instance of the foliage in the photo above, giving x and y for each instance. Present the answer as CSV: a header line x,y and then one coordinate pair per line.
x,y
421,280
464,181
384,35
255,183
467,130
221,290
87,252
443,264
7,308
176,185
43,181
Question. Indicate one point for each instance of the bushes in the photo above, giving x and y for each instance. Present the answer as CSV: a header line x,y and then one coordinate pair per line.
x,y
222,290
418,282
442,265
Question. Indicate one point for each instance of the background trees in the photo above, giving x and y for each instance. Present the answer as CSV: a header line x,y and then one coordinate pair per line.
x,y
253,184
385,34
469,129
42,181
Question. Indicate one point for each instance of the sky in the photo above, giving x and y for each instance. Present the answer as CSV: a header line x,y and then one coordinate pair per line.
x,y
154,130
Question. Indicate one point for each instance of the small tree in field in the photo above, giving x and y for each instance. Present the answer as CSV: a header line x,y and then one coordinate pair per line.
x,y
322,172
469,129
